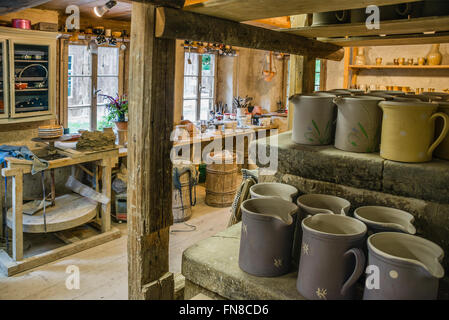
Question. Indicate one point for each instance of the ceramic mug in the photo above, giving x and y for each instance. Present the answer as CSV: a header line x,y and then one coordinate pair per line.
x,y
378,61
401,61
442,151
408,130
329,245
421,61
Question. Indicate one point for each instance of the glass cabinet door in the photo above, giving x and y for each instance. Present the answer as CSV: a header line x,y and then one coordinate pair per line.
x,y
30,73
3,81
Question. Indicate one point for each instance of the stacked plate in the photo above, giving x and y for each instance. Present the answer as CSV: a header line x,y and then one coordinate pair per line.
x,y
50,132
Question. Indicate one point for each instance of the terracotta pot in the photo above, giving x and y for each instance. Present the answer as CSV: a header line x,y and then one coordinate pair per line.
x,y
121,125
330,244
442,151
408,131
269,190
313,118
267,236
409,267
358,123
434,57
379,219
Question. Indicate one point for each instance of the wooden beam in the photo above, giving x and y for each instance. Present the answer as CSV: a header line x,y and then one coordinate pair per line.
x,y
17,5
151,106
415,25
440,37
259,9
166,3
178,24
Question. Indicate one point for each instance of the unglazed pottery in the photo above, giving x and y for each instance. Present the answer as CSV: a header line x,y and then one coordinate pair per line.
x,y
379,219
442,151
434,57
313,118
272,189
331,257
314,203
358,123
408,267
408,131
267,236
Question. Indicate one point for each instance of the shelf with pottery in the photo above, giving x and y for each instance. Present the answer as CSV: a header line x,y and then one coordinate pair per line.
x,y
360,67
70,210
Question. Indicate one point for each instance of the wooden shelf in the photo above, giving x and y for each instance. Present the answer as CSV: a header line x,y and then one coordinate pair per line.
x,y
359,67
32,61
31,90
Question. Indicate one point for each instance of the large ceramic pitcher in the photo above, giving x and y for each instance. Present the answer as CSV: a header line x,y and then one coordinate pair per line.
x,y
358,123
272,189
332,259
442,151
380,219
408,131
407,267
267,236
314,203
313,118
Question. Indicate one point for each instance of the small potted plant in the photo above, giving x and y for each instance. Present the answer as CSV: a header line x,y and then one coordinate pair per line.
x,y
117,111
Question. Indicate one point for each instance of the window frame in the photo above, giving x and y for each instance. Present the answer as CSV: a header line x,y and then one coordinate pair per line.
x,y
199,79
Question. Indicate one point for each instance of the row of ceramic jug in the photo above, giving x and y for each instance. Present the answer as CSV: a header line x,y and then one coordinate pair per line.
x,y
406,132
334,246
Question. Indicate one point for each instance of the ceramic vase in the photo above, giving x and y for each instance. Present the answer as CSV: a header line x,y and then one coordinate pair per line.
x,y
358,123
408,131
267,236
407,267
121,125
313,118
330,246
434,57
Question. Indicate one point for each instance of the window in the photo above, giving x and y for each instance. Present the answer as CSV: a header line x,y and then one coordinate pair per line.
x,y
317,75
199,86
86,109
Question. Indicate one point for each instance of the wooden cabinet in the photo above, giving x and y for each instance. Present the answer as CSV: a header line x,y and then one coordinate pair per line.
x,y
28,65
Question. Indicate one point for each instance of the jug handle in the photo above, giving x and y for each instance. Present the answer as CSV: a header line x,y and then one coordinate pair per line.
x,y
443,133
358,271
337,100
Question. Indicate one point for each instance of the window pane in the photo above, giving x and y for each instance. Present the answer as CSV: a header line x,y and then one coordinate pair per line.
x,y
207,87
190,87
101,118
317,65
108,86
189,110
206,105
108,61
208,64
81,61
80,90
79,118
191,69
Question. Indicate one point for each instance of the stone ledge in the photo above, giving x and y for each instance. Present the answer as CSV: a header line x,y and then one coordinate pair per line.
x,y
427,181
212,264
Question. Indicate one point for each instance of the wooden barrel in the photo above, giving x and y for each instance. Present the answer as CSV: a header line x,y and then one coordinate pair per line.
x,y
221,181
181,207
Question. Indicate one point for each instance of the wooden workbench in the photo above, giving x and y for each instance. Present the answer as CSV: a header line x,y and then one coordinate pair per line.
x,y
16,168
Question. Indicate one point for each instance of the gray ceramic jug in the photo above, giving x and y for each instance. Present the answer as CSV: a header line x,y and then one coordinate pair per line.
x,y
408,267
267,236
331,257
313,118
358,123
379,219
272,189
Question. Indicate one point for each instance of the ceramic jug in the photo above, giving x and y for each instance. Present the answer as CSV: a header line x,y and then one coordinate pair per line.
x,y
434,56
408,267
331,257
267,236
379,219
358,123
271,189
442,151
313,118
314,203
408,131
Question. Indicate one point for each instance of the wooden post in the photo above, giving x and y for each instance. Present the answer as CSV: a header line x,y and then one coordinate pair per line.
x,y
106,177
151,110
17,203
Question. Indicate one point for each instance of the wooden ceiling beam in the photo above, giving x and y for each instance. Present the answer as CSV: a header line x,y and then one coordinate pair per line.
x,y
17,5
238,10
166,3
179,24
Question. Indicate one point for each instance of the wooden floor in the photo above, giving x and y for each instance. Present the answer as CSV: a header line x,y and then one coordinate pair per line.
x,y
103,269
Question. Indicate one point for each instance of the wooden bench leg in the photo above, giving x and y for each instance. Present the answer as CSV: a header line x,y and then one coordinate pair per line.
x,y
106,177
17,226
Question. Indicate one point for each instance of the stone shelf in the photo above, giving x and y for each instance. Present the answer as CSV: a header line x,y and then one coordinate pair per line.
x,y
426,181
